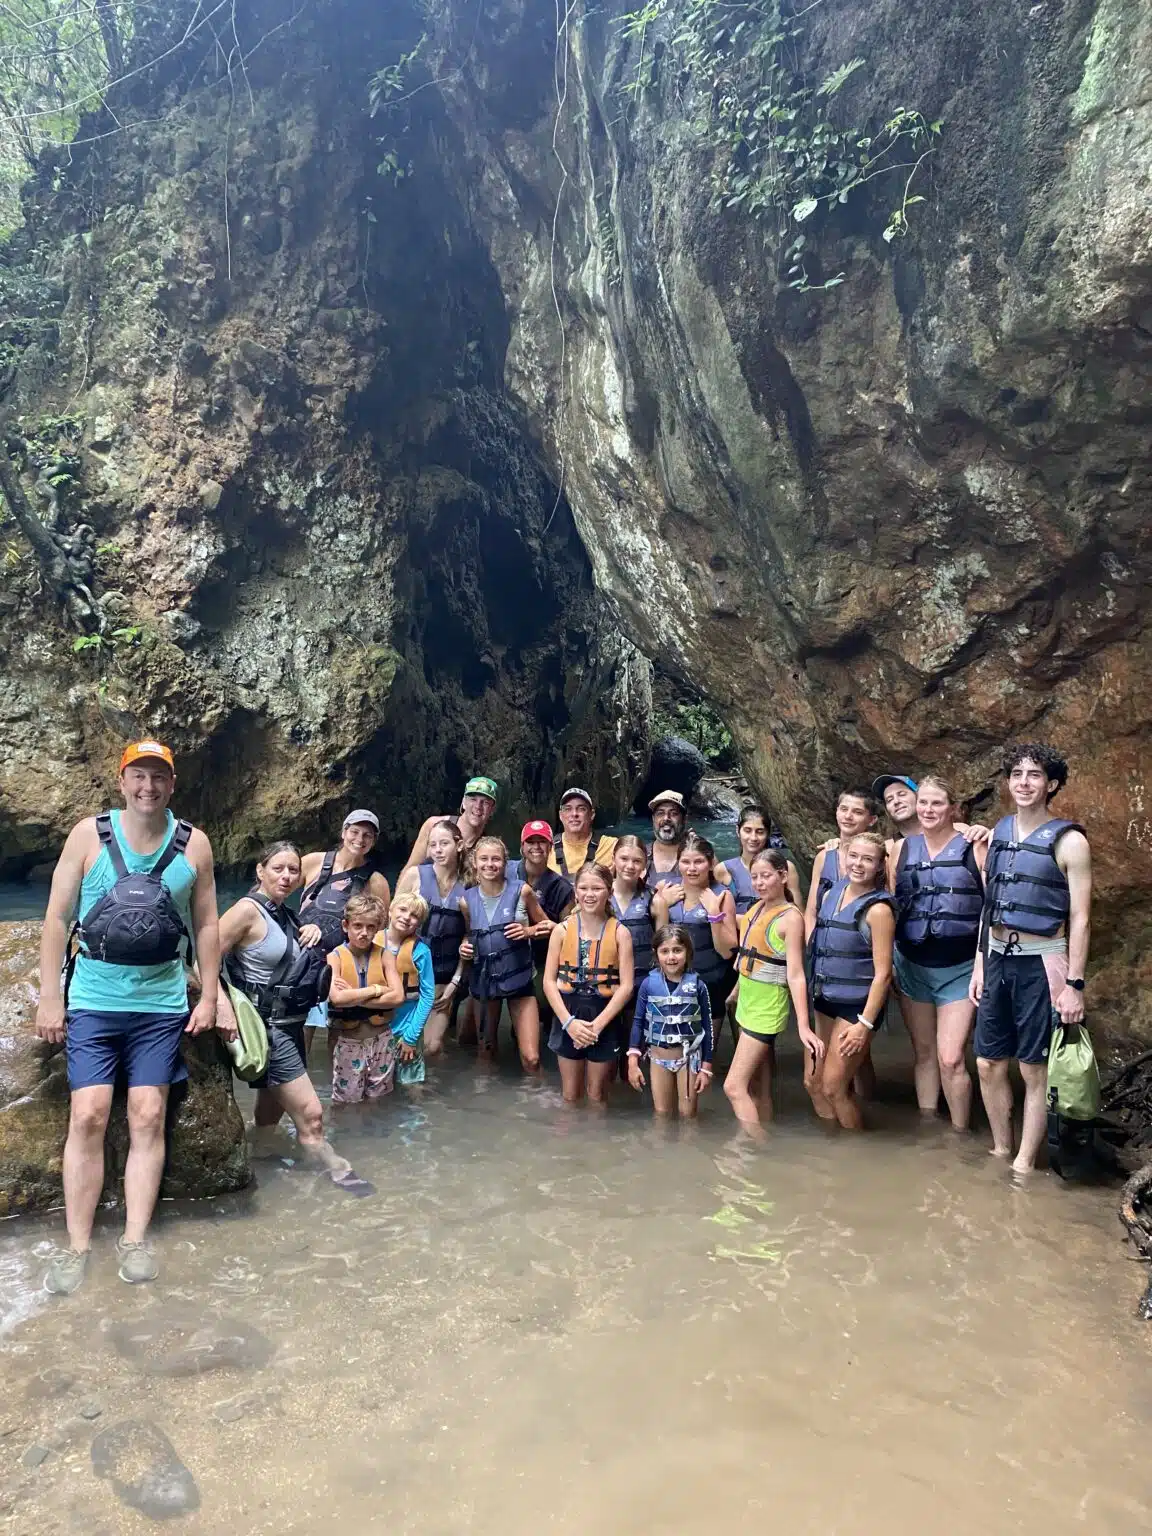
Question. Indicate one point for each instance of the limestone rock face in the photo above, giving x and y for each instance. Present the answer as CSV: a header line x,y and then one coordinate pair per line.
x,y
207,1152
332,567
892,524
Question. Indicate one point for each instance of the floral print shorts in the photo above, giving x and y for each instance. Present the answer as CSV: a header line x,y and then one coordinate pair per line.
x,y
364,1069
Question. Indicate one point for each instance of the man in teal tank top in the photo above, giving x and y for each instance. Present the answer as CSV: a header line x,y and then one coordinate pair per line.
x,y
143,889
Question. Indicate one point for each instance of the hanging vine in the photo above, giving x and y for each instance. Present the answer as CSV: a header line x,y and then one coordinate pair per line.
x,y
782,146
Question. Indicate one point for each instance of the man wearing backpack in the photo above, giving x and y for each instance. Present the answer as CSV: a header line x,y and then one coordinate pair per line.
x,y
142,887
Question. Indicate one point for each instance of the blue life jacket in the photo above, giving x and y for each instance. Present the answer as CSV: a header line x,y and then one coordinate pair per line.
x,y
499,966
443,929
637,918
841,951
710,965
938,898
741,886
829,876
666,877
1027,889
673,1015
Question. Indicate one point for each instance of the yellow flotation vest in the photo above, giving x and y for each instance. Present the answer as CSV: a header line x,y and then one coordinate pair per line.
x,y
349,1018
755,948
601,973
406,965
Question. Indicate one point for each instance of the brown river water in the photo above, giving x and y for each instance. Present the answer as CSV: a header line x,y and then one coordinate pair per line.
x,y
553,1320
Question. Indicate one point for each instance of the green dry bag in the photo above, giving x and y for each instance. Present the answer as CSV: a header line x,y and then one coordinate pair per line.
x,y
1073,1076
249,1050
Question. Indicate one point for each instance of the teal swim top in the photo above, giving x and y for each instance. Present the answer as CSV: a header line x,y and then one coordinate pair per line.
x,y
98,987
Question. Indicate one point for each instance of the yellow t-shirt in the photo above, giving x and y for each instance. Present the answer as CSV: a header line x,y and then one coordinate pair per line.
x,y
576,854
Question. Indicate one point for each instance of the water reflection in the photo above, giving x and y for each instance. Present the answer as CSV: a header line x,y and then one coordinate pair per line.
x,y
553,1320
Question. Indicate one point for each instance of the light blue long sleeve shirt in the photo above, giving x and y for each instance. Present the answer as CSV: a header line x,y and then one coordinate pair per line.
x,y
410,1018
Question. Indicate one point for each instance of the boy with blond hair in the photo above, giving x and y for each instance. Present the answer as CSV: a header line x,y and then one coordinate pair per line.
x,y
361,1004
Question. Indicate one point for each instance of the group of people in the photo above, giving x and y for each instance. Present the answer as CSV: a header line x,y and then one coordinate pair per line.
x,y
624,956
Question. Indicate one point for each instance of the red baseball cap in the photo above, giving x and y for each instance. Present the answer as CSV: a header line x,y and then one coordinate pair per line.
x,y
535,829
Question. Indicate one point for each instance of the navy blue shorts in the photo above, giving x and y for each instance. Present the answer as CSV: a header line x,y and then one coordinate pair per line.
x,y
606,1048
141,1048
1014,1019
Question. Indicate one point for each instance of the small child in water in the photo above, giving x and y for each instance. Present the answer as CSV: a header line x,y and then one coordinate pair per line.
x,y
673,1025
408,964
360,1006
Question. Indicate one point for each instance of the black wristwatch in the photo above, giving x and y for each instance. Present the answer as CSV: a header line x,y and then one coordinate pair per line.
x,y
1078,984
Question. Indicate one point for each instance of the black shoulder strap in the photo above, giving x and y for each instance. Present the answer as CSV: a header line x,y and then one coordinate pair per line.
x,y
110,841
313,889
177,843
558,850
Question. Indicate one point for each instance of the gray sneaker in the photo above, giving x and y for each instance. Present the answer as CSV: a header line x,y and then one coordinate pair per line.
x,y
66,1272
136,1262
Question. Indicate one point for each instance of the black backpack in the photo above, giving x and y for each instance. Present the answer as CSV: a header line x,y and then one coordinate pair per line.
x,y
136,922
301,979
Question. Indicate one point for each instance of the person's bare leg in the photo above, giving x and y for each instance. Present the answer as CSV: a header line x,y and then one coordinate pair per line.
x,y
572,1079
525,1018
837,1080
686,1096
487,1028
267,1110
298,1100
746,1063
84,1161
601,1075
309,1036
814,1070
436,1027
953,1026
665,1093
145,1164
996,1091
920,1022
1034,1131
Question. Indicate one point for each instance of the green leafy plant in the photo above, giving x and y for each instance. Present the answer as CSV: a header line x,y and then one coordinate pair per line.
x,y
782,147
110,550
699,723
94,643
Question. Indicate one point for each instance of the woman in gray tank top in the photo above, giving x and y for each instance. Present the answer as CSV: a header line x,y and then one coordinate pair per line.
x,y
250,934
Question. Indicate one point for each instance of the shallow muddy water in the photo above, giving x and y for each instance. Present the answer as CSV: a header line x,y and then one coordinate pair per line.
x,y
549,1320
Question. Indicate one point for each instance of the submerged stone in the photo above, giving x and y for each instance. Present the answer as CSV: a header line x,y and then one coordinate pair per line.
x,y
144,1469
182,1344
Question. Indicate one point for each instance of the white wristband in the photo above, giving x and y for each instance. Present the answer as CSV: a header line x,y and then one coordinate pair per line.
x,y
868,1025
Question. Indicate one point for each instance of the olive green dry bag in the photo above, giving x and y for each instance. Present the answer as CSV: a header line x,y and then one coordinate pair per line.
x,y
249,1050
1073,1076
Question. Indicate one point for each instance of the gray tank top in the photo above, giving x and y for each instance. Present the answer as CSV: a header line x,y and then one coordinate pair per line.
x,y
258,961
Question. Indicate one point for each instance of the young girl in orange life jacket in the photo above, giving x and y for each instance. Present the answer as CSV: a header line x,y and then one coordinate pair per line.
x,y
588,984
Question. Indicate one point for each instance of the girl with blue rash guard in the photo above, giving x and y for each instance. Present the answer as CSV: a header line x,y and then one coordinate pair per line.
x,y
937,878
672,1025
503,917
850,964
588,983
408,966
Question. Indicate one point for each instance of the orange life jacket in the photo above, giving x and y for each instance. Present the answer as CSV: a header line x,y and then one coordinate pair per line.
x,y
349,1018
754,948
406,965
601,973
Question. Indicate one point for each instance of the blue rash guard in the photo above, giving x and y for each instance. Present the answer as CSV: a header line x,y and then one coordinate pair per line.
x,y
410,1018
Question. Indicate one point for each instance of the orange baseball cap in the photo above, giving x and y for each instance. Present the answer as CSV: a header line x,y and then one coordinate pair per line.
x,y
140,751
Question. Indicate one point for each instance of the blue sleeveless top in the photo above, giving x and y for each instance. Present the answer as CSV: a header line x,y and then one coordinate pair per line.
x,y
97,987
